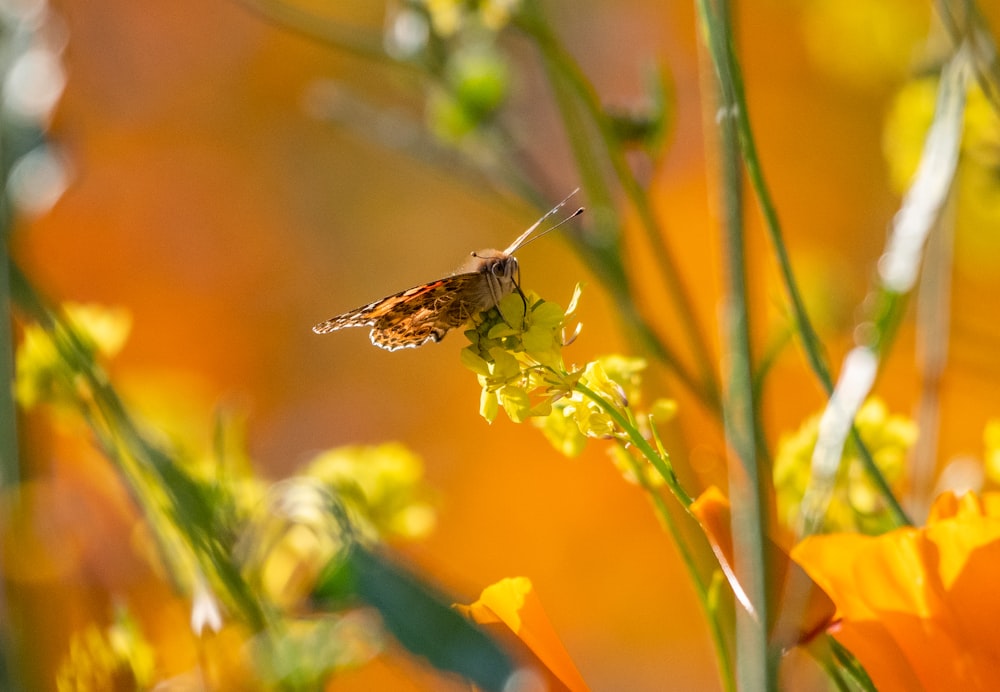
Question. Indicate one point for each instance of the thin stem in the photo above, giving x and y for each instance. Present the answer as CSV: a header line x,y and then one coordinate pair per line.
x,y
311,25
162,490
10,463
560,59
729,74
662,465
703,590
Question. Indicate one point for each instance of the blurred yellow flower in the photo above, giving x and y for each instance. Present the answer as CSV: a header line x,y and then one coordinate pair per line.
x,y
377,490
976,187
42,376
512,612
448,17
116,658
382,485
864,43
856,505
917,606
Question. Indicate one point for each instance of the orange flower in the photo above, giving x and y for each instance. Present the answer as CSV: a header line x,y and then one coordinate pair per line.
x,y
511,612
918,606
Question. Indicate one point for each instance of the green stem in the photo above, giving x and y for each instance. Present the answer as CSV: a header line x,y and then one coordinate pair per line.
x,y
715,628
570,74
662,465
731,81
749,485
162,490
10,463
362,43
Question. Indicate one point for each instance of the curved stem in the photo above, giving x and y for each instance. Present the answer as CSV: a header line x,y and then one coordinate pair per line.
x,y
661,462
560,60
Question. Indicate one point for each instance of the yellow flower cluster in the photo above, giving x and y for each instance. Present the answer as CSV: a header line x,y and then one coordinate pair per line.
x,y
381,486
856,505
516,352
616,379
374,492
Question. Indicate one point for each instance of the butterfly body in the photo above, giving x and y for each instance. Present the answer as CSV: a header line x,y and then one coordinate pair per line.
x,y
428,312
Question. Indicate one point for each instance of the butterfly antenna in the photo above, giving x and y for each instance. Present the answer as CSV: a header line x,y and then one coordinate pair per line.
x,y
522,239
547,230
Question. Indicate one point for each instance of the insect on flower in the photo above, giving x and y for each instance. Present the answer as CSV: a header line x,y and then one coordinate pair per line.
x,y
425,313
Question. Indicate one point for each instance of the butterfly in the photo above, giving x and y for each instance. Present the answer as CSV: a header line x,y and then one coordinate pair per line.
x,y
428,312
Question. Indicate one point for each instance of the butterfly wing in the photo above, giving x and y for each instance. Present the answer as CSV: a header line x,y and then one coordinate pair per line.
x,y
416,316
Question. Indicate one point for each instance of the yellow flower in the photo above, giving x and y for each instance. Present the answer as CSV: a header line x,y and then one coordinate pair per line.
x,y
516,354
117,658
448,17
373,492
495,14
977,186
917,605
517,357
43,376
856,505
512,612
382,486
861,42
616,379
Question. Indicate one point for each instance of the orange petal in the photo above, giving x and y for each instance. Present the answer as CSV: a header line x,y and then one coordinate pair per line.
x,y
803,608
916,605
511,607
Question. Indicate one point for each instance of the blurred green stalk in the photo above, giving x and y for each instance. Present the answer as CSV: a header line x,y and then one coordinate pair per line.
x,y
749,476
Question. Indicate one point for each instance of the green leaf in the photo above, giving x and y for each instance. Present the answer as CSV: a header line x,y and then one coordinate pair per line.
x,y
420,619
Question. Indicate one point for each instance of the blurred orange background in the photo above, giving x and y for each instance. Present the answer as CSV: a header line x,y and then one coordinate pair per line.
x,y
228,217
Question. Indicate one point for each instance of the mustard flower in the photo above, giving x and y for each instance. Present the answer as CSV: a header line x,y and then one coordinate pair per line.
x,y
382,485
857,505
516,352
449,17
